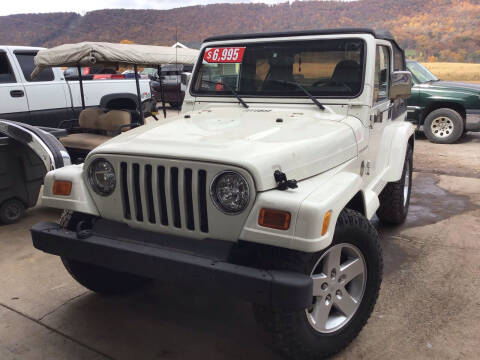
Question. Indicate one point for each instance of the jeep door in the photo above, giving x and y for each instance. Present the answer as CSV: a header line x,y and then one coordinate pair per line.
x,y
46,94
381,113
14,103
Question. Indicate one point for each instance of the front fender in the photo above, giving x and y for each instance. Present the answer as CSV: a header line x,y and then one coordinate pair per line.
x,y
332,196
397,136
307,205
79,198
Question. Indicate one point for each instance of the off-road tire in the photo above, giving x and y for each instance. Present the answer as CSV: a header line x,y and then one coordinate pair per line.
x,y
11,211
96,278
292,334
393,204
456,121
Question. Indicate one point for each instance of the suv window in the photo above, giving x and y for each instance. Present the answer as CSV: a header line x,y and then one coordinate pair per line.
x,y
6,72
382,74
326,68
26,63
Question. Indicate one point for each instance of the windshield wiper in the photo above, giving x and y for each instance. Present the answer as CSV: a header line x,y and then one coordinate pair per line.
x,y
229,88
320,106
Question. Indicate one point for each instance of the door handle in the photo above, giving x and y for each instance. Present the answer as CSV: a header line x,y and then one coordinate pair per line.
x,y
17,93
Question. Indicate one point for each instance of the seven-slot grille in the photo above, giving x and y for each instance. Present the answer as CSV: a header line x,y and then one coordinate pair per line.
x,y
164,195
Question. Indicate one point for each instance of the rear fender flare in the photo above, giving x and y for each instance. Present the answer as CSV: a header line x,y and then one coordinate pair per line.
x,y
118,97
401,134
50,150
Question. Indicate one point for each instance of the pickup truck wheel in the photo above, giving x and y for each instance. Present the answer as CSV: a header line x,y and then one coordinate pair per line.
x,y
93,277
346,282
443,126
395,197
11,211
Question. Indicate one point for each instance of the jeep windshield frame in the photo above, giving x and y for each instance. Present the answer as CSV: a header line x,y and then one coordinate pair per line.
x,y
314,64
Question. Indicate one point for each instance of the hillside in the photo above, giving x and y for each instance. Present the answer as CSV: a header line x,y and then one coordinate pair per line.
x,y
433,30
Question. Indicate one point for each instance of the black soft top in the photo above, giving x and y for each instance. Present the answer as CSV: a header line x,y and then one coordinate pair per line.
x,y
379,34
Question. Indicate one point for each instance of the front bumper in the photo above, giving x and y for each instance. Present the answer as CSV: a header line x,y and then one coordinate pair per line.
x,y
176,260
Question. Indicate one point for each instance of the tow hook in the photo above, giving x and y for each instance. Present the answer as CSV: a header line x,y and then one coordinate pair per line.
x,y
283,182
83,233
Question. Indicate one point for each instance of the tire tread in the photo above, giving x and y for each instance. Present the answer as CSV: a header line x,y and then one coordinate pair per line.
x,y
392,209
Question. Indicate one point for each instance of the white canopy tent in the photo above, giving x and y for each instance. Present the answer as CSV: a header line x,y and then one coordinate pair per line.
x,y
101,53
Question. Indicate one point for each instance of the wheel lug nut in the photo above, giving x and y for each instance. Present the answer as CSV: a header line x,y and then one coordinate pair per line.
x,y
324,286
333,273
339,294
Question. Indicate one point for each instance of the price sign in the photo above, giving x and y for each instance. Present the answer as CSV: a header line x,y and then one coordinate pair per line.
x,y
228,55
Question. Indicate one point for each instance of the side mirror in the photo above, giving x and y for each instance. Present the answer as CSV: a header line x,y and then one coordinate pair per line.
x,y
185,78
401,86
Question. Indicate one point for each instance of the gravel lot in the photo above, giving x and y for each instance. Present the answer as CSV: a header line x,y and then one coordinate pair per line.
x,y
429,304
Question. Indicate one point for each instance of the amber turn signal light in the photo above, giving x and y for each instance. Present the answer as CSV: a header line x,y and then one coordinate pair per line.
x,y
326,222
275,219
62,188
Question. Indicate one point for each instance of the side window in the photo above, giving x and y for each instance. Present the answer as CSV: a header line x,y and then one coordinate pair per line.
x,y
26,63
382,74
6,72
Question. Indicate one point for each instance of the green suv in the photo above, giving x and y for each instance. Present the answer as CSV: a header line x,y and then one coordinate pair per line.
x,y
445,109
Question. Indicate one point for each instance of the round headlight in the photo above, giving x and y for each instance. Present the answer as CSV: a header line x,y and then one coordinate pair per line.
x,y
101,177
230,193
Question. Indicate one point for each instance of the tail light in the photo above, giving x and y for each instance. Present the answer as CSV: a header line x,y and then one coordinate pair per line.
x,y
102,76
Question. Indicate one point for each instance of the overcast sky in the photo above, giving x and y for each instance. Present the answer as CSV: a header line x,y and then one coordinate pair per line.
x,y
81,6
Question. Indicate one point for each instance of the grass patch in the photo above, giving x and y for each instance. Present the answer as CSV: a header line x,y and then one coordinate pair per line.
x,y
455,71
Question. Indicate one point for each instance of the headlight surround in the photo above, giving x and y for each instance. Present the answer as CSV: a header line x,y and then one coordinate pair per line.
x,y
101,176
230,192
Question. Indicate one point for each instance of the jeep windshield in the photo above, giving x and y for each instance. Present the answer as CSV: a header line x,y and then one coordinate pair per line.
x,y
324,68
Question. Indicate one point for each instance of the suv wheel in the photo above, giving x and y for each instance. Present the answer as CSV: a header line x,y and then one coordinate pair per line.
x,y
346,281
395,197
11,211
93,277
443,126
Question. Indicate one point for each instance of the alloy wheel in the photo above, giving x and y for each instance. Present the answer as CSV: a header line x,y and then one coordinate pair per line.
x,y
442,127
339,279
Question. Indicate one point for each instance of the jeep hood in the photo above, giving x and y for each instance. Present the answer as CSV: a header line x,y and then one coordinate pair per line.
x,y
301,144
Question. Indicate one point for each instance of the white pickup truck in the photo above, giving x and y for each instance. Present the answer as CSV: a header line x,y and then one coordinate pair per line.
x,y
49,98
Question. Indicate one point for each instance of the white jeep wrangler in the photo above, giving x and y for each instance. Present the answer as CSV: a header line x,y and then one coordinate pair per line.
x,y
262,189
